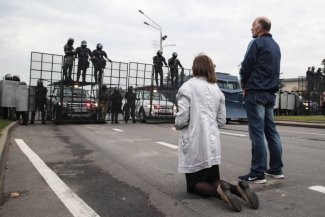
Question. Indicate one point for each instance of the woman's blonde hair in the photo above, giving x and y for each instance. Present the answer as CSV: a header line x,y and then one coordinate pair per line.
x,y
204,67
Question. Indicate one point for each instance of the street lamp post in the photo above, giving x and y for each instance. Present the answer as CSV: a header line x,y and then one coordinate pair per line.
x,y
156,26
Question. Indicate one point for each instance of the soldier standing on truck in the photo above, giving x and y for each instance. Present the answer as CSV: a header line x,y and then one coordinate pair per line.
x,y
158,62
173,64
83,53
99,58
68,59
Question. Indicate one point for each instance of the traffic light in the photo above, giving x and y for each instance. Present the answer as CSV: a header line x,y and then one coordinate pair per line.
x,y
164,37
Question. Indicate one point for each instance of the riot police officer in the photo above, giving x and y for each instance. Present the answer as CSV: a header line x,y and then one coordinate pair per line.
x,y
173,64
40,101
99,58
129,107
116,100
103,101
68,59
158,62
83,53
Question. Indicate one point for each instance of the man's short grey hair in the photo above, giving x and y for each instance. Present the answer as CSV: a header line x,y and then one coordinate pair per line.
x,y
264,22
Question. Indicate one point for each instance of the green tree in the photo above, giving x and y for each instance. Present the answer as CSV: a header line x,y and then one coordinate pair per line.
x,y
323,63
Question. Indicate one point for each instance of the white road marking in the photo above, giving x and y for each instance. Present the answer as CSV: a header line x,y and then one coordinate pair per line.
x,y
118,130
318,188
168,145
75,205
233,134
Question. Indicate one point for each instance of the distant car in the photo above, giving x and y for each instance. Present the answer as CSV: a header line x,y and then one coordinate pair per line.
x,y
76,102
160,107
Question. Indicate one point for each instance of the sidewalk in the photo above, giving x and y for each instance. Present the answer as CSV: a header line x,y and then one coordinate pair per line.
x,y
4,143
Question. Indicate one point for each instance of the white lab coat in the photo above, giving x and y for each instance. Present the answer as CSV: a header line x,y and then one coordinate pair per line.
x,y
201,111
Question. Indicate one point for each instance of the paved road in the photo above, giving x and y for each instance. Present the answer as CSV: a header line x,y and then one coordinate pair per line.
x,y
131,170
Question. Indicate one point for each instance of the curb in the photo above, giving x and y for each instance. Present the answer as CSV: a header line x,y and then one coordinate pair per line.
x,y
300,124
4,144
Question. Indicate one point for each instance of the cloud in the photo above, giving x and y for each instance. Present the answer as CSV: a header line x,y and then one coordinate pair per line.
x,y
220,29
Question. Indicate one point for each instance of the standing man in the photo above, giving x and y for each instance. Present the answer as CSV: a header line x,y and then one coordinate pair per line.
x,y
173,64
83,53
129,108
40,101
260,75
158,62
116,99
103,101
68,59
99,58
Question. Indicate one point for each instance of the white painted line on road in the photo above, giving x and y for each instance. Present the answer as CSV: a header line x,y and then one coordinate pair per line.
x,y
168,145
233,134
118,130
75,205
318,188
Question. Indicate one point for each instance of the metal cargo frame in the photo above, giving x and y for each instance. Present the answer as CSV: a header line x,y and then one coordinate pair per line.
x,y
121,75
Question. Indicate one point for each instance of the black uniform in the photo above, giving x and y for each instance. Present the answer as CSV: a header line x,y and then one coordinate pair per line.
x,y
116,100
99,64
173,64
68,61
40,102
158,62
129,107
83,53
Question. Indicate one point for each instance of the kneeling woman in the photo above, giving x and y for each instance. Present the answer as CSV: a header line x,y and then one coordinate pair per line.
x,y
201,111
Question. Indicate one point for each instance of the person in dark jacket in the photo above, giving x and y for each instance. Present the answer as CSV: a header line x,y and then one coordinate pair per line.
x,y
68,59
260,76
99,58
116,100
103,101
40,101
158,62
173,64
83,53
129,107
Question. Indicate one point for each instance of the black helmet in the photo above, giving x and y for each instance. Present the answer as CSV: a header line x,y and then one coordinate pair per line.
x,y
130,88
70,41
99,46
83,44
159,52
16,78
23,83
104,87
8,77
39,82
174,54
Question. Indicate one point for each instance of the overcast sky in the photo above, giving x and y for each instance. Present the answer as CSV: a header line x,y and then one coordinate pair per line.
x,y
221,29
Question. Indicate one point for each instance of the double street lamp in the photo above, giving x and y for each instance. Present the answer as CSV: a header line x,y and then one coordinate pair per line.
x,y
155,26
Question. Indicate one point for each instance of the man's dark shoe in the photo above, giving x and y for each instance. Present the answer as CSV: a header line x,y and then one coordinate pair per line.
x,y
253,178
249,196
276,175
225,194
32,122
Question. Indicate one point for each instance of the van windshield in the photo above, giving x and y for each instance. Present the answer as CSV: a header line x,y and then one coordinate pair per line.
x,y
155,96
228,85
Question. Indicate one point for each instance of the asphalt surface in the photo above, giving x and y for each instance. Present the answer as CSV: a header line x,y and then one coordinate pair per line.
x,y
127,170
